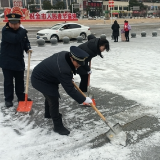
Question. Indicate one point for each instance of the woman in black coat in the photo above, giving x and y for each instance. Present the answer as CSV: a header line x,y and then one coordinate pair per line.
x,y
115,27
93,47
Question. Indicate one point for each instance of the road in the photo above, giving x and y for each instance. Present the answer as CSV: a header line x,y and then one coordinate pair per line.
x,y
98,30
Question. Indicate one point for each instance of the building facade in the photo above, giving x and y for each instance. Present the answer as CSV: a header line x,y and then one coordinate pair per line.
x,y
96,7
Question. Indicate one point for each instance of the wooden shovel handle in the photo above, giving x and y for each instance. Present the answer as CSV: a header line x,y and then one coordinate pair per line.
x,y
99,113
89,74
27,79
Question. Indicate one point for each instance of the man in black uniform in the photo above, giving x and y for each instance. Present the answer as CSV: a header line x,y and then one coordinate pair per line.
x,y
14,42
55,70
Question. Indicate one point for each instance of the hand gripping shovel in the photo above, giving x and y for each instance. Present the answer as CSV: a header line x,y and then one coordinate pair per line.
x,y
26,106
114,131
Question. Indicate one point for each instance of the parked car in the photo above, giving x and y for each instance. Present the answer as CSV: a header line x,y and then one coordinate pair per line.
x,y
60,30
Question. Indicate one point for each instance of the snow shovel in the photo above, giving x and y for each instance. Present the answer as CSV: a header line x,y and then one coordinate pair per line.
x,y
114,131
26,106
92,97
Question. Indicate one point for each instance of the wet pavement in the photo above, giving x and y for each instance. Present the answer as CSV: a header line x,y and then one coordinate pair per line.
x,y
135,122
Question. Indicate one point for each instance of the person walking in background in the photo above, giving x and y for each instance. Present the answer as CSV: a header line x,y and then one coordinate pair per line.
x,y
127,28
115,27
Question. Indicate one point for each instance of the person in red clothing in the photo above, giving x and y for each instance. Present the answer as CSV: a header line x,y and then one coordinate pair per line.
x,y
126,30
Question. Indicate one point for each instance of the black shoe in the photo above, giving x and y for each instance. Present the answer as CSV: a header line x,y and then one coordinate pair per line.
x,y
61,130
8,104
58,126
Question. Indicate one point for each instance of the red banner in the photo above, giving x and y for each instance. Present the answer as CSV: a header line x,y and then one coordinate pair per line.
x,y
95,4
53,16
36,16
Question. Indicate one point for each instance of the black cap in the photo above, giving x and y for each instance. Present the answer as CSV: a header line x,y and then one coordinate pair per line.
x,y
79,55
14,18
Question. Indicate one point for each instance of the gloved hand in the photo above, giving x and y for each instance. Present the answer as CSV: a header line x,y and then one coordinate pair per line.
x,y
73,79
30,50
89,72
88,100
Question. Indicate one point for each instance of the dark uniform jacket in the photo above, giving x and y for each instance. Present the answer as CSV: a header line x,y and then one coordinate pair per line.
x,y
115,28
12,47
52,71
92,48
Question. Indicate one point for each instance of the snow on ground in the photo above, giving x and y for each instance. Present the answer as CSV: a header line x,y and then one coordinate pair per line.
x,y
129,69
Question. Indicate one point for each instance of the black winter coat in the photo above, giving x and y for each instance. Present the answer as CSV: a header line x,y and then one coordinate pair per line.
x,y
51,72
115,28
92,48
12,48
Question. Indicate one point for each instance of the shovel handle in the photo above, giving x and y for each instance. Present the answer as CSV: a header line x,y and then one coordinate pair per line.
x,y
27,79
89,74
98,112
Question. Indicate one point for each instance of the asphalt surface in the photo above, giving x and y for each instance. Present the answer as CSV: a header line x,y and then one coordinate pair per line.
x,y
98,30
114,107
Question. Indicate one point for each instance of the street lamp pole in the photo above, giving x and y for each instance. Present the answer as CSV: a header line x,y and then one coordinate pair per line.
x,y
67,4
40,4
128,7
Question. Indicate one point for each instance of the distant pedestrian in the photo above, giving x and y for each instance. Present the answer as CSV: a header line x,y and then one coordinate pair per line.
x,y
115,27
127,28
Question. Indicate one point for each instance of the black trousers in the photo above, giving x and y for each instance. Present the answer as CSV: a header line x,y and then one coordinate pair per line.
x,y
84,82
127,35
116,38
51,106
9,75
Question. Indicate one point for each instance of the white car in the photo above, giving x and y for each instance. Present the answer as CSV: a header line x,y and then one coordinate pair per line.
x,y
60,30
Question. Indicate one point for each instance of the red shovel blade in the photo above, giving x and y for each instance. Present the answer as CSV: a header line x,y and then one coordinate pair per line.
x,y
24,106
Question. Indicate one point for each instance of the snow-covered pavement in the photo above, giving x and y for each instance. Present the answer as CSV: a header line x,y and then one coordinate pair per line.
x,y
129,69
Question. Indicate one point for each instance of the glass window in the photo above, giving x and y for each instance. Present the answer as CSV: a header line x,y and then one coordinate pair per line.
x,y
57,26
115,7
125,8
75,26
120,8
